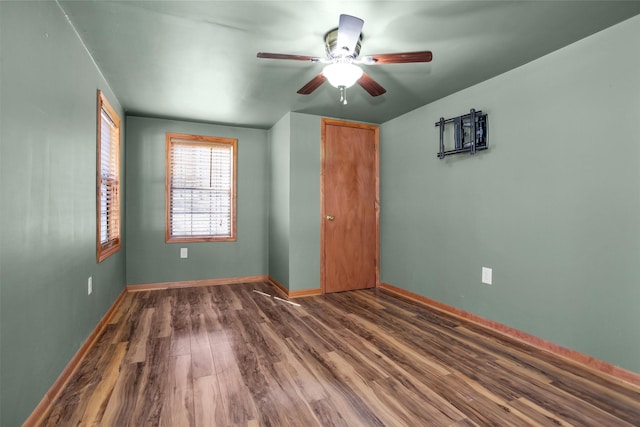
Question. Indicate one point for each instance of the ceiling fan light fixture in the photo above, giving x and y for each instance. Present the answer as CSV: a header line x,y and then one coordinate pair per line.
x,y
342,46
342,74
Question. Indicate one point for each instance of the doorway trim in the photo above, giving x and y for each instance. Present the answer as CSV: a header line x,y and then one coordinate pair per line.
x,y
376,130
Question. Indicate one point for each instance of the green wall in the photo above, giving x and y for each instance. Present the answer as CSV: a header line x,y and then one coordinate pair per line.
x,y
48,102
553,206
305,202
149,258
279,199
294,216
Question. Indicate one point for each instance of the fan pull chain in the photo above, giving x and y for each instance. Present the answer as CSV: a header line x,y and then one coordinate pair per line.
x,y
343,95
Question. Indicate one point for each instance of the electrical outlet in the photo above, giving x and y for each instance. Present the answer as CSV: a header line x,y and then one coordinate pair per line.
x,y
487,275
184,253
89,285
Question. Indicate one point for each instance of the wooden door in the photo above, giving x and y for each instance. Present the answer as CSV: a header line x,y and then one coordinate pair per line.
x,y
349,204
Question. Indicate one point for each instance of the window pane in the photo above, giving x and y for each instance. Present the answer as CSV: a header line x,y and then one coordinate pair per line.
x,y
201,188
108,185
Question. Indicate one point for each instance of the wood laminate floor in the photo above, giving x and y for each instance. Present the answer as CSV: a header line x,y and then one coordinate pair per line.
x,y
228,356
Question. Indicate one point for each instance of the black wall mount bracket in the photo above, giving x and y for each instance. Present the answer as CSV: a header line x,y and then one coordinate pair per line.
x,y
470,133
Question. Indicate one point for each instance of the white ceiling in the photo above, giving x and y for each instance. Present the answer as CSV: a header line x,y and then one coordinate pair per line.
x,y
196,60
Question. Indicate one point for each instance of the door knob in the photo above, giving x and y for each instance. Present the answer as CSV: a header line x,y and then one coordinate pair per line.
x,y
330,217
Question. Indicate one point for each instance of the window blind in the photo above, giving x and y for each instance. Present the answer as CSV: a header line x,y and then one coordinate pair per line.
x,y
108,181
109,216
201,193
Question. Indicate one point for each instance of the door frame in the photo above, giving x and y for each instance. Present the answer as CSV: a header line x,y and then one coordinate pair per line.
x,y
376,130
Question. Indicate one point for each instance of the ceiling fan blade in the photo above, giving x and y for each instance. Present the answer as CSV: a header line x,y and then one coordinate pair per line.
x,y
398,58
370,85
313,84
349,30
285,56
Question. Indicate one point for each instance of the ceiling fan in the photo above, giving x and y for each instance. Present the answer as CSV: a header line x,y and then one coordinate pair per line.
x,y
343,58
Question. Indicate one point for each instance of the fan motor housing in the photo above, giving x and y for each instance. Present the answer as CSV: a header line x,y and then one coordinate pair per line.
x,y
331,45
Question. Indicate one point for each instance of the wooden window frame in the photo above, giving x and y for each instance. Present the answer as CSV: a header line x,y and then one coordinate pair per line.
x,y
112,244
199,140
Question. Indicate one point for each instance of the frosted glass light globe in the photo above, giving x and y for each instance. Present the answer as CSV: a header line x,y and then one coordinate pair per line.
x,y
342,74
